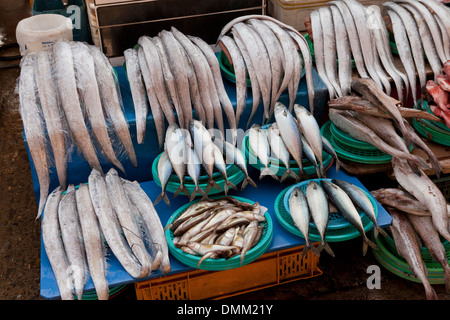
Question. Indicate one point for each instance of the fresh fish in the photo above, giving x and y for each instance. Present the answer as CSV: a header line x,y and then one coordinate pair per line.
x,y
328,148
234,156
362,201
290,134
318,207
279,150
401,200
93,242
91,100
164,172
329,48
51,110
342,50
193,169
54,247
34,128
205,152
430,237
169,80
145,207
157,112
227,237
217,77
221,216
121,206
194,230
72,238
64,74
206,250
423,189
346,207
360,131
221,166
191,222
237,60
175,146
112,102
309,154
298,208
408,247
233,222
109,224
260,146
250,233
137,89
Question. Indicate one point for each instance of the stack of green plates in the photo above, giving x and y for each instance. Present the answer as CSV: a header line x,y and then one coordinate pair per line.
x,y
432,130
234,175
389,258
221,264
351,149
277,166
338,229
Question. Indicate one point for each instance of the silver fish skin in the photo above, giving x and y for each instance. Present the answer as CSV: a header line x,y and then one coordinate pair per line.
x,y
72,238
54,247
109,224
152,221
279,150
407,245
193,169
298,208
250,233
175,146
155,107
221,166
93,242
137,89
318,207
51,110
34,128
361,200
328,148
234,155
260,146
164,172
121,206
430,237
424,190
112,102
193,231
309,154
346,207
290,134
90,97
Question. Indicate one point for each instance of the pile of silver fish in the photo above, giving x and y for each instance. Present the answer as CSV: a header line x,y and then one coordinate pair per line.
x,y
266,50
220,228
321,198
187,152
438,94
290,137
412,226
108,209
69,97
173,74
380,131
347,29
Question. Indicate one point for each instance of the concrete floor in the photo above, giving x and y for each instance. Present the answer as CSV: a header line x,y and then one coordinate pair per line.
x,y
344,277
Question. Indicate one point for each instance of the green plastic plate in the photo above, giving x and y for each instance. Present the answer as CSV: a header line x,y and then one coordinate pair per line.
x,y
222,263
345,138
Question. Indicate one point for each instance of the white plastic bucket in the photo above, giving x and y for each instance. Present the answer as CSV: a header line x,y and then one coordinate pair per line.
x,y
40,32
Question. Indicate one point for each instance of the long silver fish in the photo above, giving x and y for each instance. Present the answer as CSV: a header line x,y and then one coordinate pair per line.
x,y
260,146
328,148
318,207
54,247
164,172
34,128
93,242
121,207
346,207
309,154
408,247
72,238
298,208
109,224
279,150
193,169
51,110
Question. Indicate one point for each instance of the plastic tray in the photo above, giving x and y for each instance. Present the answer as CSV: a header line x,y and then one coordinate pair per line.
x,y
423,105
338,228
348,140
222,263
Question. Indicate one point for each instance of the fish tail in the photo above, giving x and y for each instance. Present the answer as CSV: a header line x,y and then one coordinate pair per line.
x,y
326,246
181,188
430,294
196,191
381,230
204,257
288,173
246,181
229,184
212,184
306,250
366,243
267,172
162,195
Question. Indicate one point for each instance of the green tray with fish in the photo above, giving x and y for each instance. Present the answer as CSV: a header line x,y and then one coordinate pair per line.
x,y
430,134
366,156
234,174
389,258
425,106
338,229
277,166
348,140
221,264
